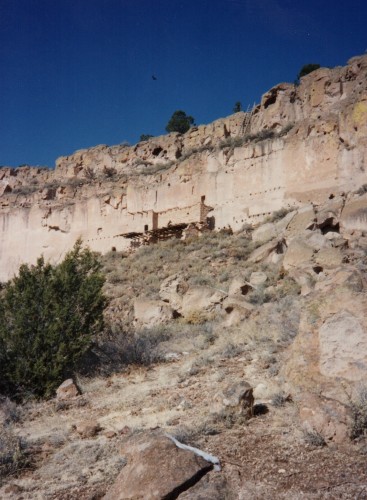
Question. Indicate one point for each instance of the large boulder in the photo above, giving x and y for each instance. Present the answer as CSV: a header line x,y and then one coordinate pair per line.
x,y
298,253
152,312
327,417
264,233
271,252
328,358
271,230
237,309
156,469
343,347
303,219
354,215
172,289
202,299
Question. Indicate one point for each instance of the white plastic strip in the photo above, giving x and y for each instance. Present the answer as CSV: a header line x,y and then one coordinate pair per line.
x,y
206,456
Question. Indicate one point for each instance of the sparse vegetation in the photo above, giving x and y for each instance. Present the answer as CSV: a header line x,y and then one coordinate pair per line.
x,y
279,399
142,347
262,135
278,214
145,168
307,69
145,137
359,411
13,453
314,438
237,107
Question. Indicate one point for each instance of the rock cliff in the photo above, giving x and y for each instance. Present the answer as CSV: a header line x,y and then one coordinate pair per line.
x,y
302,144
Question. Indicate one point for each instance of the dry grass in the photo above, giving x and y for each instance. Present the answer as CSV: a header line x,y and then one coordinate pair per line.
x,y
359,411
13,453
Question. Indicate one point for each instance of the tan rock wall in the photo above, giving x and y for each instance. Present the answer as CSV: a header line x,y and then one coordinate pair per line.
x,y
98,195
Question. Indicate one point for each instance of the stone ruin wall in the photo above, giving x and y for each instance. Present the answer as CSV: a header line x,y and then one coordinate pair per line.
x,y
104,193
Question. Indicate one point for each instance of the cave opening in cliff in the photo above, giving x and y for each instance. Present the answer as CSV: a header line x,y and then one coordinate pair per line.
x,y
156,151
270,100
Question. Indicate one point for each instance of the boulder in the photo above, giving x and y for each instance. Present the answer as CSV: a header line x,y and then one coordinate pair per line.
x,y
172,289
328,417
202,299
67,390
237,309
271,230
88,429
258,278
329,354
348,277
264,233
316,240
329,257
156,469
343,347
304,218
239,286
298,253
304,278
236,399
354,215
269,252
152,312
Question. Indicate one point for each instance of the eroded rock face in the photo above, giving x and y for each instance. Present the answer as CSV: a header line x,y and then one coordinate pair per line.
x,y
328,358
156,469
195,178
343,347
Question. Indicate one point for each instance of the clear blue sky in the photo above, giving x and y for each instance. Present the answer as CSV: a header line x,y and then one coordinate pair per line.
x,y
77,73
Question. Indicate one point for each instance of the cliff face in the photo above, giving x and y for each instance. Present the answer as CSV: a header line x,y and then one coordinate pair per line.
x,y
300,145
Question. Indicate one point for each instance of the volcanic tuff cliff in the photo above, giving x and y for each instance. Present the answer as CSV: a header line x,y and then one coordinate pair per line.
x,y
301,144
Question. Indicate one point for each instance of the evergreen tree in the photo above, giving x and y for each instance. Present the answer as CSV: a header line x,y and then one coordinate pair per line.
x,y
237,107
48,318
179,122
306,69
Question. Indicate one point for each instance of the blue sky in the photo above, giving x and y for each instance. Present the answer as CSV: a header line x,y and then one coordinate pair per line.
x,y
77,73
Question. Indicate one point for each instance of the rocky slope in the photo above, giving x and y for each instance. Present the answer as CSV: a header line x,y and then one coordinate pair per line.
x,y
247,344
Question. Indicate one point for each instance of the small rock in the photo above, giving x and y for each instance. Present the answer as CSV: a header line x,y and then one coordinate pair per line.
x,y
258,278
172,356
67,390
88,429
237,398
125,430
110,434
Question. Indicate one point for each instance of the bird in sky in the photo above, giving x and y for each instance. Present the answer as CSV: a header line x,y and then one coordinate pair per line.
x,y
154,77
